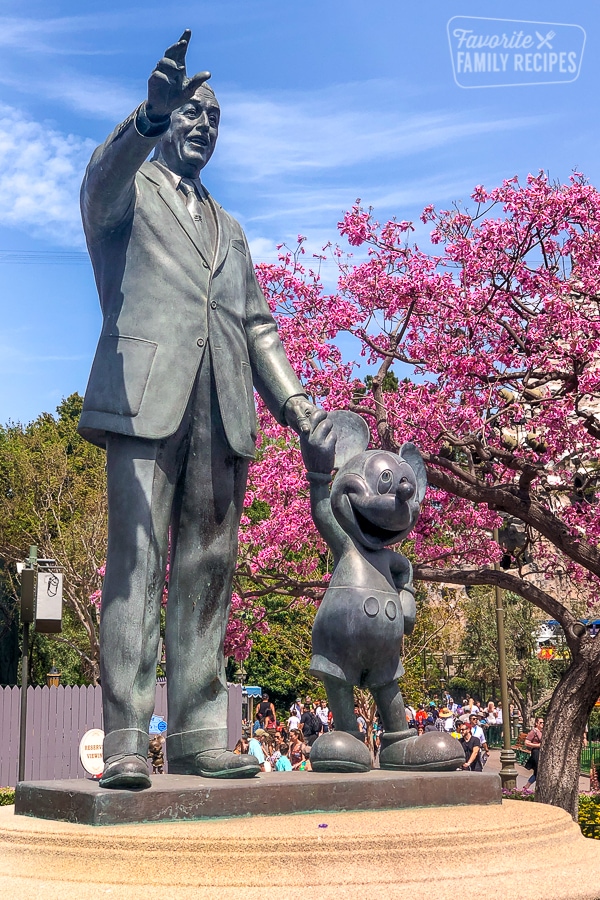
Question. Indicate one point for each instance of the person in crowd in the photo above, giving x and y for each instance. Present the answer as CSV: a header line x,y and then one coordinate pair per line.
x,y
270,722
305,765
310,725
295,748
256,747
296,708
472,749
445,720
283,764
533,742
478,732
429,724
241,746
421,715
361,723
294,720
322,713
264,706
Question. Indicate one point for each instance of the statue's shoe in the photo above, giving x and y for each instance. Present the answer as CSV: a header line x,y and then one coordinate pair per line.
x,y
216,764
435,751
338,751
129,772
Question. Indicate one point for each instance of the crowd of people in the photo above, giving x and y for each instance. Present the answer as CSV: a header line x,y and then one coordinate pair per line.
x,y
284,744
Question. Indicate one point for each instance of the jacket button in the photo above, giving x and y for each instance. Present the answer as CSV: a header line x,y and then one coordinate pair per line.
x,y
213,304
205,264
200,342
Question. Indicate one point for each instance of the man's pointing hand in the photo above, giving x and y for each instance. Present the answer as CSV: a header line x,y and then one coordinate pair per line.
x,y
168,86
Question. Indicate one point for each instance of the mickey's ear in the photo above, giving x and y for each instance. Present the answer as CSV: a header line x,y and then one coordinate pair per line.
x,y
352,435
411,455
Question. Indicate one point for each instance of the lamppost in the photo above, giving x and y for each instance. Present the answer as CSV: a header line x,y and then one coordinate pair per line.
x,y
508,757
53,676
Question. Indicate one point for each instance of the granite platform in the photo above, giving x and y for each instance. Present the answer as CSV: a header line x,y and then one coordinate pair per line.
x,y
185,797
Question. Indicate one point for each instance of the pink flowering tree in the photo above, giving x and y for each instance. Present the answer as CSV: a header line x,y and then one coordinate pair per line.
x,y
493,332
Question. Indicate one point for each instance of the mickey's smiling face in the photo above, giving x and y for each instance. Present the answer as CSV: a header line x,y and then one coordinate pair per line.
x,y
376,498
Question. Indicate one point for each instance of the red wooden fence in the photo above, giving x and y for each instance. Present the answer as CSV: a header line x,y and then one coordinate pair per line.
x,y
57,719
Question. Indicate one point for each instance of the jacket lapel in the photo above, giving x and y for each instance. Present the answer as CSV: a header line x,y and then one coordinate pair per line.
x,y
176,204
222,242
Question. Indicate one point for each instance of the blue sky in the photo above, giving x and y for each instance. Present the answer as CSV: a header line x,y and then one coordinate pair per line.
x,y
321,103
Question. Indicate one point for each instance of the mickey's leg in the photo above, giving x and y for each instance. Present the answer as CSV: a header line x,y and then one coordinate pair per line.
x,y
344,749
391,708
340,697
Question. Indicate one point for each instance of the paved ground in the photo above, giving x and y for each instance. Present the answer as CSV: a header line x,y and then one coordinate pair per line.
x,y
333,856
493,765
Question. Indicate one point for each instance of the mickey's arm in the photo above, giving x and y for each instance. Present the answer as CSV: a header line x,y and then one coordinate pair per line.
x,y
401,570
318,451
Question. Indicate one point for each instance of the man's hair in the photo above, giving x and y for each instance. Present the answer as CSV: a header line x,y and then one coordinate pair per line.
x,y
284,749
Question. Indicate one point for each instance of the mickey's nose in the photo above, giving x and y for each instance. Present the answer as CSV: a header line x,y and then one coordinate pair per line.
x,y
404,491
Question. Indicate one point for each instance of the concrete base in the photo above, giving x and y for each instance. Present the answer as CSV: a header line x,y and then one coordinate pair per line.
x,y
186,797
501,851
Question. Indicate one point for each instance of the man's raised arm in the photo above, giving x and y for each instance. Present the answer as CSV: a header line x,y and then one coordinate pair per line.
x,y
108,192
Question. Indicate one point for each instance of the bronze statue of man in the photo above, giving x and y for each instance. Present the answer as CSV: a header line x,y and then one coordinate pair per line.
x,y
187,334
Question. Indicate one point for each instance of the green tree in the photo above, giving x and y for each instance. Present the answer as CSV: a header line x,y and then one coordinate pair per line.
x,y
52,494
279,660
531,680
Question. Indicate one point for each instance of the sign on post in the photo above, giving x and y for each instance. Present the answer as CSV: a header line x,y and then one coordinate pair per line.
x,y
157,725
48,617
90,751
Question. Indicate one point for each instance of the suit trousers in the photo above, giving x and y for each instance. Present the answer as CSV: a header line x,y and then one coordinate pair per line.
x,y
187,490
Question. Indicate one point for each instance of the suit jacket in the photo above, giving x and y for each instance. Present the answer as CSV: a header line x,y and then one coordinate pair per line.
x,y
167,297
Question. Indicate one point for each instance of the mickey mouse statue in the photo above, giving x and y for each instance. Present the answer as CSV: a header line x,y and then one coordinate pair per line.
x,y
370,603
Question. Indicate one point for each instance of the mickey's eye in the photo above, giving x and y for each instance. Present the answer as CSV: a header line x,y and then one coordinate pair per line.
x,y
385,482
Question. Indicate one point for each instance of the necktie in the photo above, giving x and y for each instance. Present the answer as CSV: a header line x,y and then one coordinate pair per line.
x,y
192,201
200,211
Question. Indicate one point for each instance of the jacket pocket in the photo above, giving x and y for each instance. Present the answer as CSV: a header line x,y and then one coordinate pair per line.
x,y
120,374
239,245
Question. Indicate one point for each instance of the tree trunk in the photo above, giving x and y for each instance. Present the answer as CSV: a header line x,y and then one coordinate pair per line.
x,y
569,710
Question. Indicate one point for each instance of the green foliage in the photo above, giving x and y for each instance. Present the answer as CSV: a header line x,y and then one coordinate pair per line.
x,y
589,815
7,796
279,660
389,384
527,675
594,725
52,494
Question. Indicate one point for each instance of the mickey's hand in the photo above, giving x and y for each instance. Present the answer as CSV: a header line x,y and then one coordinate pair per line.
x,y
318,445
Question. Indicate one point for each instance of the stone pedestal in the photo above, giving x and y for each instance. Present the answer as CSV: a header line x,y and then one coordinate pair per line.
x,y
500,851
185,797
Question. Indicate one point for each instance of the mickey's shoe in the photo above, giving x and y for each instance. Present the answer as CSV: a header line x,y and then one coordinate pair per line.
x,y
126,771
434,751
339,751
216,764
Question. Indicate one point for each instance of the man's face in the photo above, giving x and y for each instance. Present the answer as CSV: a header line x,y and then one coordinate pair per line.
x,y
189,143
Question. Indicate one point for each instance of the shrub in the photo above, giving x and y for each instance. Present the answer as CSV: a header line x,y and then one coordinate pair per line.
x,y
7,796
518,794
589,815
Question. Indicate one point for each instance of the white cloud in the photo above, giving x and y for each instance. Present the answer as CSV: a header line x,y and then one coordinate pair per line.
x,y
337,128
40,173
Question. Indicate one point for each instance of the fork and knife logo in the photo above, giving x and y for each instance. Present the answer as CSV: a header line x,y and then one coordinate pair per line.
x,y
545,41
